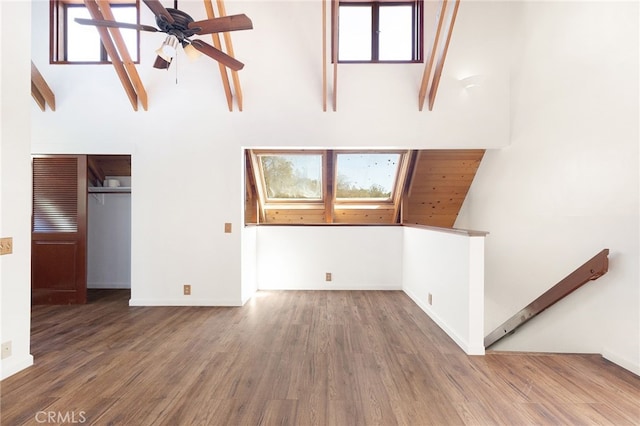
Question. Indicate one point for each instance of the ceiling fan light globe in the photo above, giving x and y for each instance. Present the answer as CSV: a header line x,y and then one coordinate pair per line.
x,y
168,48
163,55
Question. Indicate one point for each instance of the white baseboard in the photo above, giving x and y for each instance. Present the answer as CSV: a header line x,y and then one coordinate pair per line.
x,y
330,286
13,365
109,285
464,345
185,302
622,361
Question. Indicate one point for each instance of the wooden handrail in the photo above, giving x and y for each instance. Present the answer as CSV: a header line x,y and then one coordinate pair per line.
x,y
591,270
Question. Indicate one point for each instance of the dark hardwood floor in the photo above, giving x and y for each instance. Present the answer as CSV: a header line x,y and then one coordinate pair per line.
x,y
295,358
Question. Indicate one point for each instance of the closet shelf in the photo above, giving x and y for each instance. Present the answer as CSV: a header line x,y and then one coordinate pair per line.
x,y
109,190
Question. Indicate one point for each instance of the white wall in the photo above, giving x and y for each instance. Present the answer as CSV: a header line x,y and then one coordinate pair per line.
x,y
358,257
448,266
249,262
15,183
109,240
178,223
567,186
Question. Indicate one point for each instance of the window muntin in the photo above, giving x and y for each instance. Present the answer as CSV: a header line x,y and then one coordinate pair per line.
x,y
366,176
75,43
292,177
380,31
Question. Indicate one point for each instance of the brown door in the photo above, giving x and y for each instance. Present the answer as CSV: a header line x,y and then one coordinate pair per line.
x,y
59,230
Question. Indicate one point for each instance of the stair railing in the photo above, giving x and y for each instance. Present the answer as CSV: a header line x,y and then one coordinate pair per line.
x,y
591,270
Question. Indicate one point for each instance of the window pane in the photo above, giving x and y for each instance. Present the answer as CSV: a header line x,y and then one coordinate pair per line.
x,y
354,33
295,176
366,175
396,33
128,14
83,41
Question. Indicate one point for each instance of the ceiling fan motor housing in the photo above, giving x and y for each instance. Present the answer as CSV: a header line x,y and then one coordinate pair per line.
x,y
179,27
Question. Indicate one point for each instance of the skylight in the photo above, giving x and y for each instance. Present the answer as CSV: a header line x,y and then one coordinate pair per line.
x,y
366,175
325,186
292,176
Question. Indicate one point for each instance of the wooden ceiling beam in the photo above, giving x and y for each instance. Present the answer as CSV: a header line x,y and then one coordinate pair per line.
x,y
442,54
324,55
229,45
94,11
432,13
208,5
334,54
130,67
37,96
40,90
446,16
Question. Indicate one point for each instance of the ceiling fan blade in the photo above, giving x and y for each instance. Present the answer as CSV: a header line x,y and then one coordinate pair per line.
x,y
218,55
222,24
158,9
113,24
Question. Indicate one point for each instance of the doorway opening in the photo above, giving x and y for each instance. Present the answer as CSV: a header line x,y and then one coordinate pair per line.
x,y
108,224
81,227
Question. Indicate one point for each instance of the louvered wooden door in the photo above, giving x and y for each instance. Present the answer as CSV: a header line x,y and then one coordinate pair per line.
x,y
59,230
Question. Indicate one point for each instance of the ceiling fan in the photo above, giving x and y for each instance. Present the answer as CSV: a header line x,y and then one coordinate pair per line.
x,y
180,27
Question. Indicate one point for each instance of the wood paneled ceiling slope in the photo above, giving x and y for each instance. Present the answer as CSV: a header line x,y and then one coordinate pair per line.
x,y
437,19
429,186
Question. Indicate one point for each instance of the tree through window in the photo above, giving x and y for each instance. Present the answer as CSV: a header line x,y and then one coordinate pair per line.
x,y
366,175
292,176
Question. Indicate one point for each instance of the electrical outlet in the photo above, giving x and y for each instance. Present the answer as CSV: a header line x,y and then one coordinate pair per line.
x,y
430,299
327,276
6,245
187,290
6,349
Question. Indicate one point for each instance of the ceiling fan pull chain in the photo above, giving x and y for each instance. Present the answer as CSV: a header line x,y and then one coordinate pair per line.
x,y
176,67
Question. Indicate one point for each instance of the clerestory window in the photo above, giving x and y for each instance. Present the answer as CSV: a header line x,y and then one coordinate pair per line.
x,y
380,31
74,43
